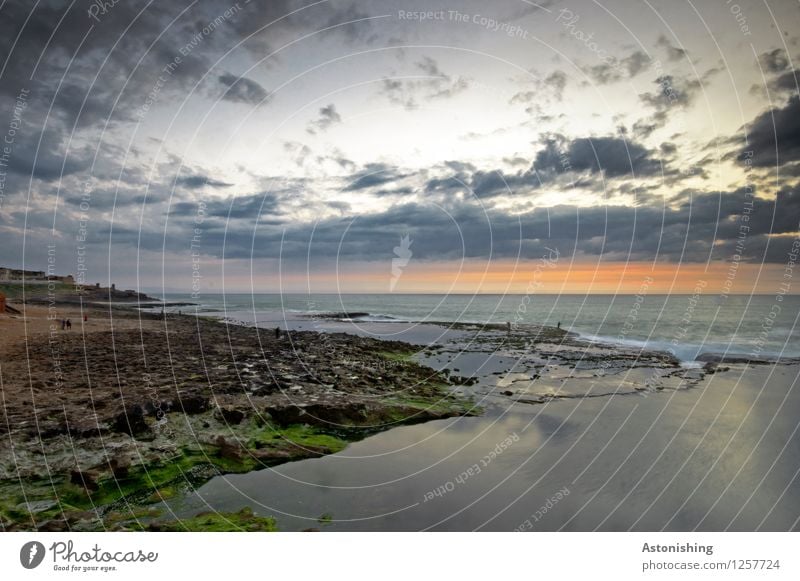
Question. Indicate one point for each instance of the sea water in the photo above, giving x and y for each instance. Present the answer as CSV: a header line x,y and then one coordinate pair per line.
x,y
686,325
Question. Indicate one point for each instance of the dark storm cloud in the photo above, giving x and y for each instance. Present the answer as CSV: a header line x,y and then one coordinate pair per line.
x,y
200,181
242,90
773,138
486,184
779,78
774,61
250,207
614,156
351,22
787,82
704,226
700,227
48,160
86,71
102,200
403,191
373,174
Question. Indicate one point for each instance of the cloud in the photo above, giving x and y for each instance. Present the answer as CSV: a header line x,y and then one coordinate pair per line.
x,y
248,208
705,226
779,77
626,67
673,52
635,63
200,181
612,155
672,91
557,80
544,91
773,137
243,90
372,175
50,162
298,151
774,61
439,86
328,116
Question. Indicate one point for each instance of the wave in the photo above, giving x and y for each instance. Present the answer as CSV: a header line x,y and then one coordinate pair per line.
x,y
689,354
379,318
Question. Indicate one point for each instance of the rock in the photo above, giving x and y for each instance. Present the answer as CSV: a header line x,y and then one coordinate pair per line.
x,y
36,506
227,449
508,392
120,466
85,516
230,415
320,414
131,421
54,526
193,404
86,479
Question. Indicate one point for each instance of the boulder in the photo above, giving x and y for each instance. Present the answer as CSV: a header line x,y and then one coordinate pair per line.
x,y
86,479
230,415
131,421
193,404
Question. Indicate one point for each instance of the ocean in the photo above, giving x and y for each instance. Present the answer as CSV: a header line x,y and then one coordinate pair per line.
x,y
709,451
686,325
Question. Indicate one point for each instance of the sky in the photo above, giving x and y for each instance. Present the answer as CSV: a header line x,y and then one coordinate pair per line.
x,y
402,146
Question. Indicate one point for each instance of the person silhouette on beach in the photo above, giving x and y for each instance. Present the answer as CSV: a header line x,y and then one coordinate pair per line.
x,y
277,332
69,324
63,324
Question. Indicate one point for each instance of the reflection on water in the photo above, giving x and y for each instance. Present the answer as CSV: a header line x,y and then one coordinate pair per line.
x,y
722,455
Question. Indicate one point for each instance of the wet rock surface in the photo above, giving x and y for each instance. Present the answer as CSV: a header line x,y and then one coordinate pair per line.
x,y
127,416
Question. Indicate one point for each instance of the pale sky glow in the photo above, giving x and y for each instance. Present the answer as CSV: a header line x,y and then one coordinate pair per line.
x,y
614,132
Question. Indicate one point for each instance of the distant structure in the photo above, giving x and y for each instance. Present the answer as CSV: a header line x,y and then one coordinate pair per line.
x,y
42,279
17,275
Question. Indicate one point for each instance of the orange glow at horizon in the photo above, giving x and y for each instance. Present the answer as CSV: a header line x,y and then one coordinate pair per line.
x,y
543,277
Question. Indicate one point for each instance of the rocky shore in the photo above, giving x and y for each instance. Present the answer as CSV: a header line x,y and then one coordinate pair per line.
x,y
102,426
102,422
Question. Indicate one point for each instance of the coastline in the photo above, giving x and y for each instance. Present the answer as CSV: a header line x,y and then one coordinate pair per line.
x,y
149,407
131,408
